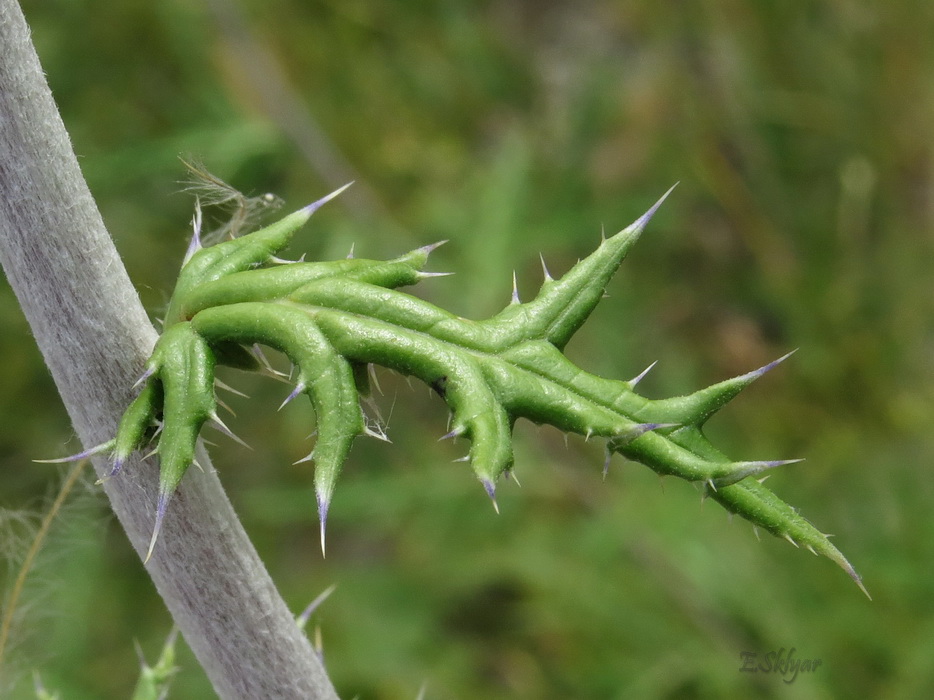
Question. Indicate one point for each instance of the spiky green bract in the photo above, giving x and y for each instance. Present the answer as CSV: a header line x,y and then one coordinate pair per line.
x,y
334,318
153,683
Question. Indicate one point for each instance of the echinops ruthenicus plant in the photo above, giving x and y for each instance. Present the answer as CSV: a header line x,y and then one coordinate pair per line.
x,y
335,319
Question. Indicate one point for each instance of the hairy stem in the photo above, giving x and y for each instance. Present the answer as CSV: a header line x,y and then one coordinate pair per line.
x,y
95,338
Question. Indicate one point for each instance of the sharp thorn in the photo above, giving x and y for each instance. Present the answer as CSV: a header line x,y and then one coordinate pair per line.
x,y
639,224
453,434
491,491
97,449
314,206
515,290
743,469
788,537
146,375
465,458
161,506
323,505
378,433
427,275
756,532
756,373
115,469
223,404
299,388
227,431
226,387
283,261
431,247
607,455
319,644
639,377
307,458
309,610
350,255
195,244
545,273
264,361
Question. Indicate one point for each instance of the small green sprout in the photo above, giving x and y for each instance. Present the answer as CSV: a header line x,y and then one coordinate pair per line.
x,y
334,319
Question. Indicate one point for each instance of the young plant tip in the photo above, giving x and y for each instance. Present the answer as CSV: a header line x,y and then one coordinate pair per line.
x,y
332,318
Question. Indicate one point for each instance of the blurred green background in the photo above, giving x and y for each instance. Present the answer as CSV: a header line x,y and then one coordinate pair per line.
x,y
801,134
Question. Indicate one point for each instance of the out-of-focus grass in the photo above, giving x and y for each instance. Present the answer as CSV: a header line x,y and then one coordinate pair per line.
x,y
801,134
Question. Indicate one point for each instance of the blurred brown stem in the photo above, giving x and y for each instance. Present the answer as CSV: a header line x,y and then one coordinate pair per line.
x,y
95,337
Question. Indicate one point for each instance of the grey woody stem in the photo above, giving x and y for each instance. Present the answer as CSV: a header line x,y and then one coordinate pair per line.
x,y
95,337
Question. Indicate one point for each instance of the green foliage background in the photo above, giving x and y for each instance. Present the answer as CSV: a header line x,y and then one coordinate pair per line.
x,y
802,136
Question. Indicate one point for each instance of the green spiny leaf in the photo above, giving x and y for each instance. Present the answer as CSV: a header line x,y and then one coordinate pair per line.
x,y
334,318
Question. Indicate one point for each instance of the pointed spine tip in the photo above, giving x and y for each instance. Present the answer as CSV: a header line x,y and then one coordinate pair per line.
x,y
307,458
306,614
515,290
161,507
431,247
639,377
545,273
146,375
116,468
741,470
314,206
756,373
491,492
90,452
324,502
195,244
220,425
859,582
376,433
639,224
299,388
456,432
